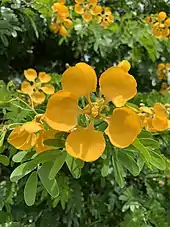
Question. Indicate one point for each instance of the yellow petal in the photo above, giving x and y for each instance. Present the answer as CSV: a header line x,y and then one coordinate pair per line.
x,y
38,97
62,111
149,124
43,77
44,135
79,80
123,127
93,2
146,109
162,16
87,17
54,27
117,86
48,89
62,31
160,124
32,126
68,23
107,11
160,110
78,9
21,139
30,74
27,88
167,22
62,1
97,10
125,65
79,1
85,144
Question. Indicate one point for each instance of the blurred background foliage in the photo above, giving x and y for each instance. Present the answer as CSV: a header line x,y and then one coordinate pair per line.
x,y
92,200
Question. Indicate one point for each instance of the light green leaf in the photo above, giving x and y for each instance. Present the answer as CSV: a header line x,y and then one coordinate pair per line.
x,y
73,167
57,165
30,189
2,137
150,143
4,160
49,184
143,150
128,162
105,167
22,156
22,170
158,161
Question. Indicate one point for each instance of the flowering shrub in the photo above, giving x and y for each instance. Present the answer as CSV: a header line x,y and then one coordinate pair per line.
x,y
163,72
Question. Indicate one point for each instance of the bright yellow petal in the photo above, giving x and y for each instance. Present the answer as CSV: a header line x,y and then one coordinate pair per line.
x,y
117,86
44,135
85,144
160,110
97,10
160,124
167,22
87,17
162,16
145,109
62,1
123,127
32,126
149,124
54,27
79,80
38,97
21,139
62,31
30,74
27,88
125,65
68,23
48,89
93,2
43,77
78,9
62,111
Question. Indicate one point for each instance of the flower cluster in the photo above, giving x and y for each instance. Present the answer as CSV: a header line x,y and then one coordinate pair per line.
x,y
90,10
36,86
163,73
61,20
160,25
124,123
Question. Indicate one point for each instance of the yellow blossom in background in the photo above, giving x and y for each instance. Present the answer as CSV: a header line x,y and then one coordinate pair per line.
x,y
156,118
117,86
162,72
37,86
61,21
160,25
85,8
106,17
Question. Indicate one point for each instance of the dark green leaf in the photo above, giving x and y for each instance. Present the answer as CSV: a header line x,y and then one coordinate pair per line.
x,y
4,160
118,172
30,189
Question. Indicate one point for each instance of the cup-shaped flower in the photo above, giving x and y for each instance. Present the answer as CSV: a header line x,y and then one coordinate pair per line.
x,y
118,86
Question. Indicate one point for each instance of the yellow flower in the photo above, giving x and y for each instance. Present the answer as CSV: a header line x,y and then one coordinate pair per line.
x,y
167,22
44,135
24,137
38,88
61,10
118,86
85,8
106,17
162,16
158,119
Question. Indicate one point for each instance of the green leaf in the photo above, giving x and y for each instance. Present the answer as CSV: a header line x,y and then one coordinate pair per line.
x,y
57,165
47,156
128,162
73,167
22,156
30,189
4,160
2,137
105,167
145,134
158,161
150,143
57,143
49,184
143,150
118,172
22,170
